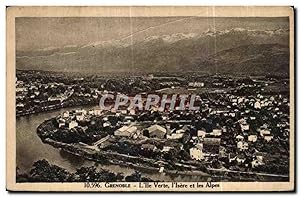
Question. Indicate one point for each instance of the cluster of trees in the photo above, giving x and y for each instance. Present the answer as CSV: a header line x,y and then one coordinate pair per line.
x,y
43,171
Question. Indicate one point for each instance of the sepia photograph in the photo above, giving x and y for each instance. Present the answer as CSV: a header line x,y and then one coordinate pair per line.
x,y
150,99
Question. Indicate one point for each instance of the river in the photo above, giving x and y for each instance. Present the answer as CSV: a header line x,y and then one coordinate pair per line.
x,y
30,148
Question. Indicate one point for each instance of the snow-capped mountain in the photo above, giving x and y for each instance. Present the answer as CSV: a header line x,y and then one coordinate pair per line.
x,y
173,52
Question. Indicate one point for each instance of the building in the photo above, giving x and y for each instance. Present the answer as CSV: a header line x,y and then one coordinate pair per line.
x,y
175,136
201,133
196,153
264,132
239,138
257,105
241,158
73,124
20,105
61,122
157,131
196,84
80,117
66,114
166,148
60,97
180,131
97,112
232,114
268,138
216,132
126,131
252,138
132,111
242,145
259,156
231,157
245,127
258,160
128,120
106,124
255,163
81,111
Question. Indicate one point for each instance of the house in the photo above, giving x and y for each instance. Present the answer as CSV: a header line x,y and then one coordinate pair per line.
x,y
242,121
97,112
95,96
106,124
59,97
166,148
252,117
268,137
264,132
73,124
113,110
216,132
231,157
128,120
91,112
240,100
123,111
255,163
196,84
242,145
80,117
66,114
175,136
199,145
252,138
157,131
201,133
257,105
239,138
20,105
132,111
232,114
244,127
258,159
126,131
259,156
195,139
61,122
81,111
196,153
21,89
161,169
241,158
224,129
180,131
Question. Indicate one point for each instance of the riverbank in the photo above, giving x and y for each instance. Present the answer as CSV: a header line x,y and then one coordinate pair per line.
x,y
57,106
104,157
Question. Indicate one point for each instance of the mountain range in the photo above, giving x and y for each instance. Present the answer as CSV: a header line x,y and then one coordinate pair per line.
x,y
233,50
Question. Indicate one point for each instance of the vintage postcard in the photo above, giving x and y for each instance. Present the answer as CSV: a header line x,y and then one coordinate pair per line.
x,y
160,99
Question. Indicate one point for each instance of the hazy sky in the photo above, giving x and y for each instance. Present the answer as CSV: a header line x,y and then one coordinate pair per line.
x,y
43,32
